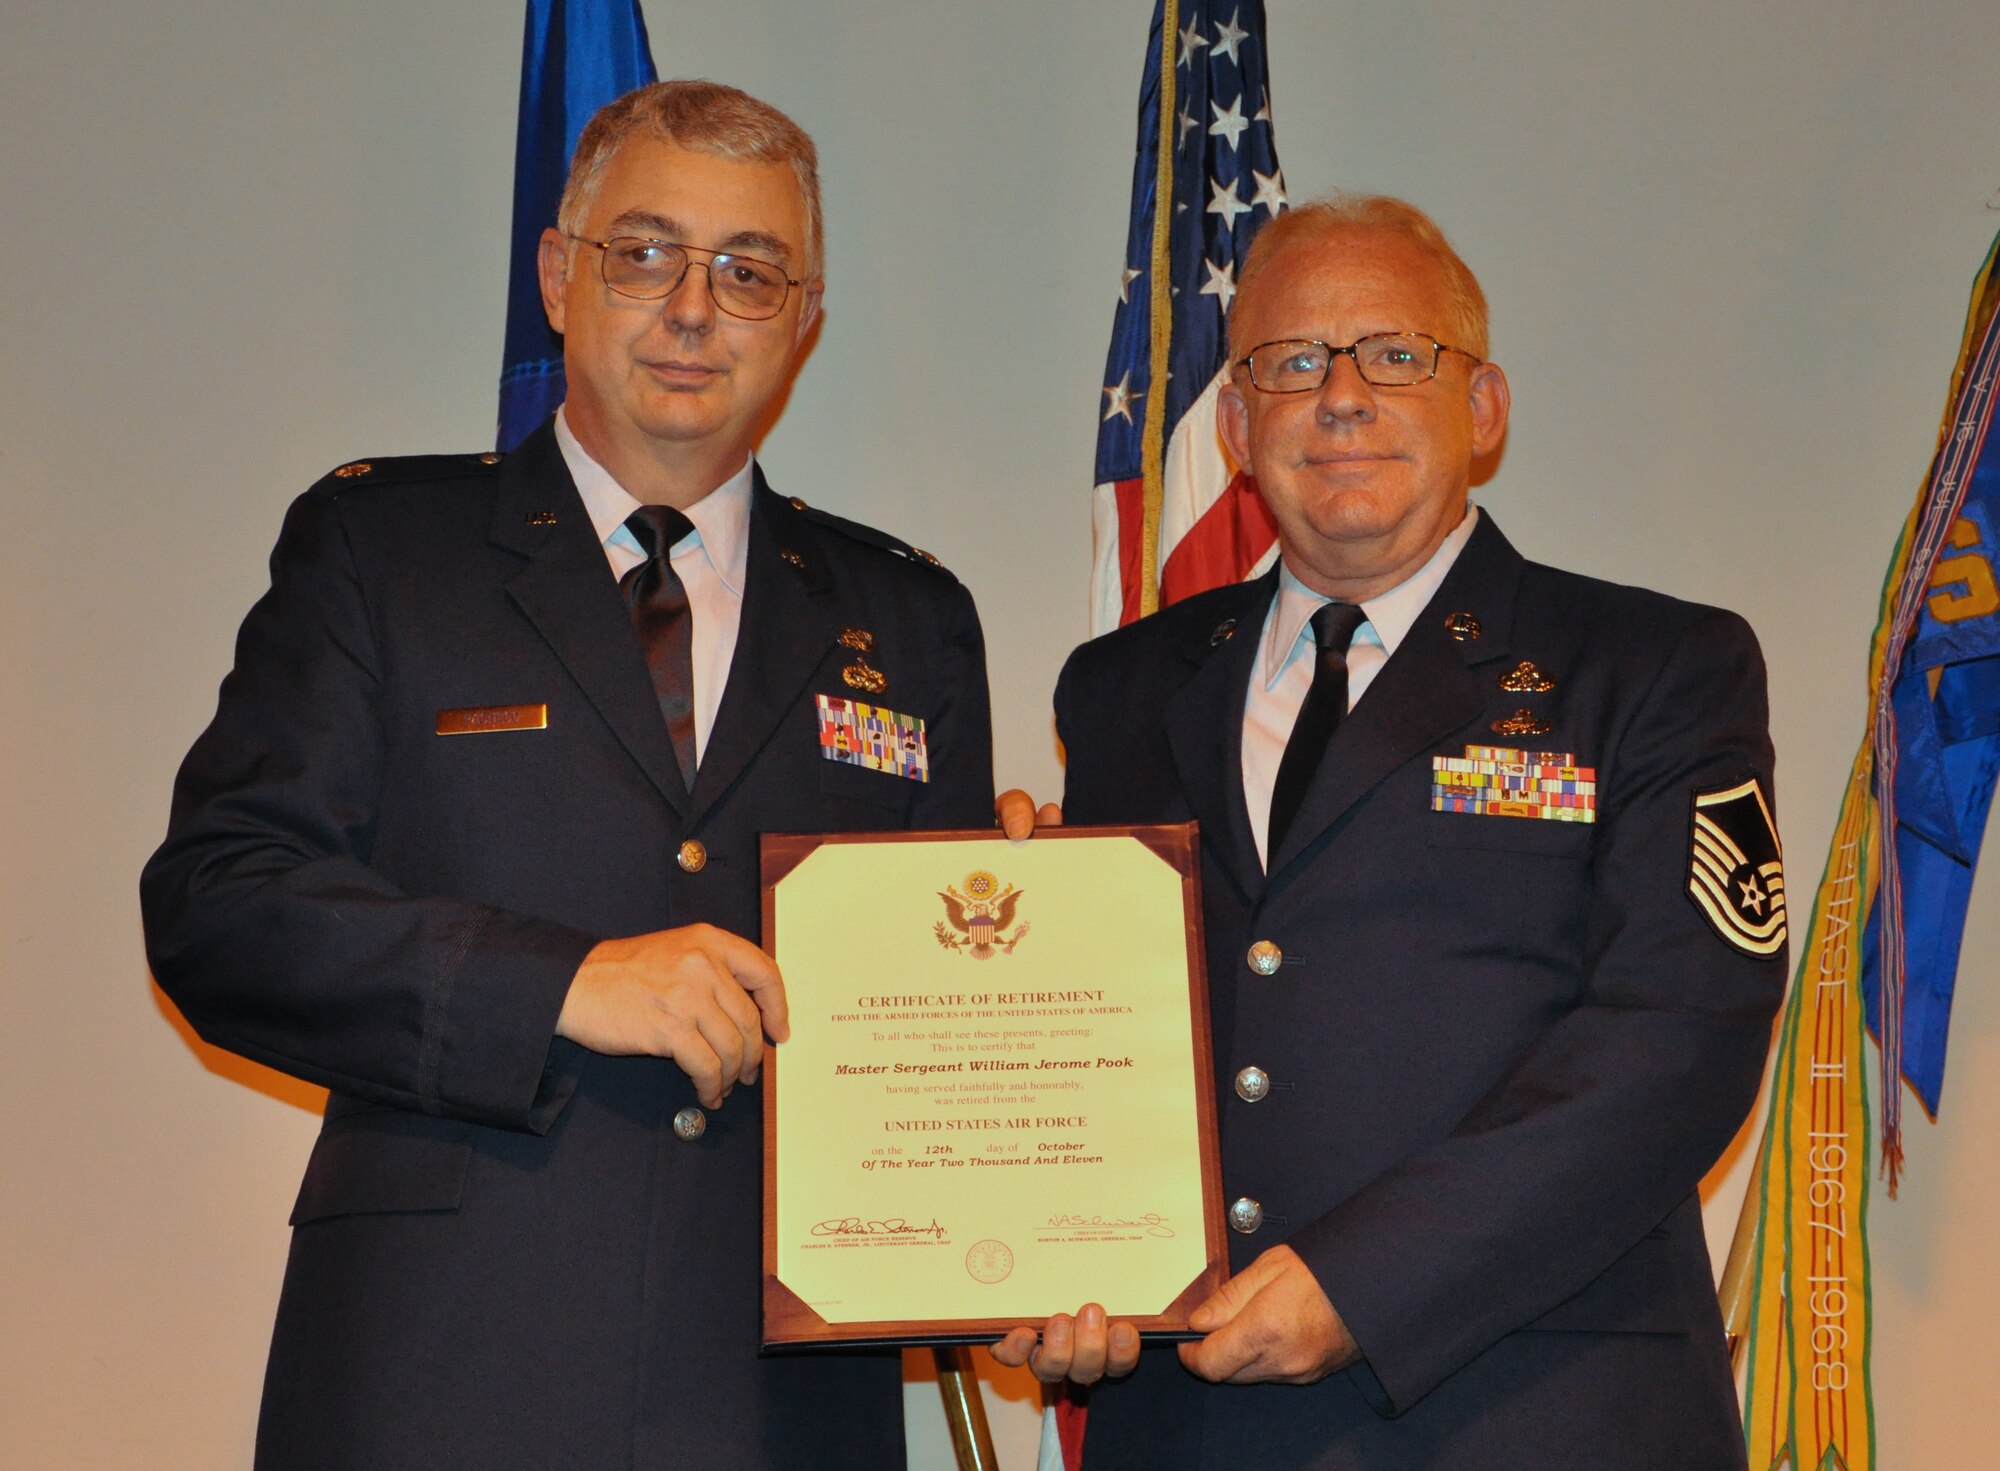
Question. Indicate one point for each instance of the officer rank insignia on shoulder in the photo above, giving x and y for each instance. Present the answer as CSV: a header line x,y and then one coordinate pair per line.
x,y
1736,875
1498,781
869,736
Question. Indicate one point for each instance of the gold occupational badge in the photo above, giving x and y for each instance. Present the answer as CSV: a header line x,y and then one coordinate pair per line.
x,y
1736,875
863,676
1525,679
1522,723
979,917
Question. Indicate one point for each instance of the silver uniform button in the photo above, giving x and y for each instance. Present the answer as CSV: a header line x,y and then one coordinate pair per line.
x,y
1252,1084
690,1123
693,857
1265,958
1246,1215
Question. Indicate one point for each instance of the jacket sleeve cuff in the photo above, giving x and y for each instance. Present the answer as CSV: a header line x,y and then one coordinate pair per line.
x,y
1391,1375
490,1053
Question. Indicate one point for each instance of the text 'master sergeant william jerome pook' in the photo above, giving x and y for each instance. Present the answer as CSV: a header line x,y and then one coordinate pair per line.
x,y
1495,925
520,956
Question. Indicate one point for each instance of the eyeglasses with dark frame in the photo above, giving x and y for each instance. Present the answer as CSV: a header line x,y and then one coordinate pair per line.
x,y
643,269
1384,359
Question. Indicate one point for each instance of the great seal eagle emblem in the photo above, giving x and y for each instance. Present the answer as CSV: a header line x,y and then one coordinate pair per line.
x,y
979,916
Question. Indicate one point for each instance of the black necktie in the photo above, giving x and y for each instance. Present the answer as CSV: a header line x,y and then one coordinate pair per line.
x,y
659,608
1326,703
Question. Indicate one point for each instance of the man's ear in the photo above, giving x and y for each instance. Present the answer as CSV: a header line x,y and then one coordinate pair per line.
x,y
1487,392
809,312
552,269
1232,421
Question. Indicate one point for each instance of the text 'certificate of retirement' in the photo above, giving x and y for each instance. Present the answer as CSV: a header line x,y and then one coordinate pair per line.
x,y
995,1104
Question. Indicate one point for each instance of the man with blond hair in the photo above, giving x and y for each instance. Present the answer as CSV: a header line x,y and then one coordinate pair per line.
x,y
1495,924
473,842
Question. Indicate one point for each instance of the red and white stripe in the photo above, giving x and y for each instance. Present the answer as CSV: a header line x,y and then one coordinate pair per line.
x,y
1214,527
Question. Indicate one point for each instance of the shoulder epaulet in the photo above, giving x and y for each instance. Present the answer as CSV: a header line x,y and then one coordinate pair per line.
x,y
867,535
405,469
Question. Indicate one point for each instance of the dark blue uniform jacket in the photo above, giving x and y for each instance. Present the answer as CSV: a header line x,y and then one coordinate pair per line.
x,y
1503,1050
503,1255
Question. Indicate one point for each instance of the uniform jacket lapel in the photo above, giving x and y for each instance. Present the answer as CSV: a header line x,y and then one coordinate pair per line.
x,y
567,592
788,629
1429,688
1205,731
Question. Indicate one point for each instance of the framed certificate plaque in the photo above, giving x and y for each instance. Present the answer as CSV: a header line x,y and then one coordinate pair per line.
x,y
996,1101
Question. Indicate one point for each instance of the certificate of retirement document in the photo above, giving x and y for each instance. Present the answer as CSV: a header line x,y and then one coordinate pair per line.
x,y
996,1102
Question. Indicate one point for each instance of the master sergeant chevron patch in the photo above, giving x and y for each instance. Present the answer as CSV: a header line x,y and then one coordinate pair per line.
x,y
1736,875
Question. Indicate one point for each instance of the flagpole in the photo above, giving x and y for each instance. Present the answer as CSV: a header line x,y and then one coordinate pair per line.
x,y
964,1410
1160,288
1734,1293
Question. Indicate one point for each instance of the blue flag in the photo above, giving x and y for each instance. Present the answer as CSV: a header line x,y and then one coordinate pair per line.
x,y
1938,762
577,56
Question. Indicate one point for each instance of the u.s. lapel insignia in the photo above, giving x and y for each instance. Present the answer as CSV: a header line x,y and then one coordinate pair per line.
x,y
1736,873
863,676
1463,627
1522,722
1498,781
871,737
1525,679
541,518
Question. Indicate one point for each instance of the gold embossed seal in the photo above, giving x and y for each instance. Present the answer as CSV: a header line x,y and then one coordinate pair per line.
x,y
989,1261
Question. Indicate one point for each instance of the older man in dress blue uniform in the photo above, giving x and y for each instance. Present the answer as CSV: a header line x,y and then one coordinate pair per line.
x,y
473,842
1495,926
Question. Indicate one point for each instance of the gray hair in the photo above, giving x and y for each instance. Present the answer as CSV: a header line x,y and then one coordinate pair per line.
x,y
701,115
1319,218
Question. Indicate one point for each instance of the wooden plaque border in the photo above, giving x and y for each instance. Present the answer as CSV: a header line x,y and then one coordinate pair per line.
x,y
788,1322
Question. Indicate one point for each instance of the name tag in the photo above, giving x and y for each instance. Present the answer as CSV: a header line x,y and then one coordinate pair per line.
x,y
478,719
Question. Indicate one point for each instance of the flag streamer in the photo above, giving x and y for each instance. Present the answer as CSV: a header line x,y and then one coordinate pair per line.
x,y
1882,945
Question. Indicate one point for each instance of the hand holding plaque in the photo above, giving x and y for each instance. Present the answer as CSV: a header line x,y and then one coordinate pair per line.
x,y
995,1101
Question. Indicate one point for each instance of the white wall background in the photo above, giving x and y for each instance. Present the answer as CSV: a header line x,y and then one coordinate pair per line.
x,y
1728,250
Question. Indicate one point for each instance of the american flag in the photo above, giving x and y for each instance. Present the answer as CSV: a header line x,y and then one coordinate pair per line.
x,y
1172,515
